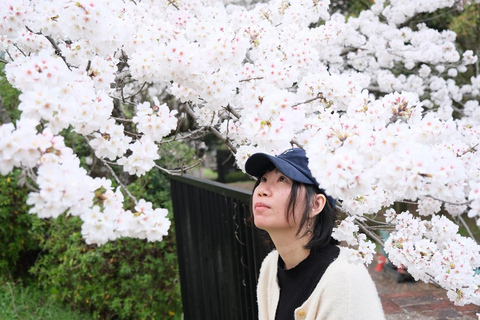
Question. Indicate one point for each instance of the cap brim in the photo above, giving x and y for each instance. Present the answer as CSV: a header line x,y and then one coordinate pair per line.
x,y
258,163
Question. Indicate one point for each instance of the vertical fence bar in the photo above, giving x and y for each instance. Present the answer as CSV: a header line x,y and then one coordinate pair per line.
x,y
219,252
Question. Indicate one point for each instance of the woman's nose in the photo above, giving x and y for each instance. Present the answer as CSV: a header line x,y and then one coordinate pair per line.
x,y
263,190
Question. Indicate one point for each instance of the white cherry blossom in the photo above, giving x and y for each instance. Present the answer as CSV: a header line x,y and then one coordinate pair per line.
x,y
263,76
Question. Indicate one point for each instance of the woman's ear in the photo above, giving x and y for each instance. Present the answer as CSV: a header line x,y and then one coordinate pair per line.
x,y
318,203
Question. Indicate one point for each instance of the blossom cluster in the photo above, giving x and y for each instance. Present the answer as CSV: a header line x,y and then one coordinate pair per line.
x,y
108,221
64,185
348,231
263,76
433,250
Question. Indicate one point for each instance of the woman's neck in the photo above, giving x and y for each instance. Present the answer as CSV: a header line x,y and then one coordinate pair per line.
x,y
291,251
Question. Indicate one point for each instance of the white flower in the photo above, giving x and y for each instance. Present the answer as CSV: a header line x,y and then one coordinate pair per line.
x,y
155,122
428,206
142,159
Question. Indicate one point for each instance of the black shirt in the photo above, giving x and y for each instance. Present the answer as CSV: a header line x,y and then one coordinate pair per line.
x,y
298,283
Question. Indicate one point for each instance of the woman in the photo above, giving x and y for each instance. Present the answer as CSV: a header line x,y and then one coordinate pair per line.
x,y
308,276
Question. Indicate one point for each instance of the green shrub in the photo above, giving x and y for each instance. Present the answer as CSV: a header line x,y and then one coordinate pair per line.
x,y
123,279
236,176
18,230
9,96
210,174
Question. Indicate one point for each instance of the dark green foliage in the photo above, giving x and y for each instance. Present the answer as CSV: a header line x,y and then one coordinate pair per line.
x,y
237,176
9,96
123,279
350,7
18,230
467,27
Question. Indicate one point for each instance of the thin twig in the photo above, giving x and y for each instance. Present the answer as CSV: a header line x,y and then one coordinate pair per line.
x,y
406,202
213,130
27,173
133,95
471,149
376,221
235,113
118,180
225,140
18,48
132,134
179,125
173,4
178,172
122,119
121,92
371,234
249,79
125,102
58,51
381,228
9,55
181,136
453,203
467,228
318,97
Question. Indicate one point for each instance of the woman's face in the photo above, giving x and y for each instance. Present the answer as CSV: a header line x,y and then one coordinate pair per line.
x,y
270,200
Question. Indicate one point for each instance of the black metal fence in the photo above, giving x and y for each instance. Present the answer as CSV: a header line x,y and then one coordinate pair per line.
x,y
219,251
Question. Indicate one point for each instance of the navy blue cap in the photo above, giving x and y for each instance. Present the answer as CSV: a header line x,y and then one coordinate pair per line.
x,y
293,163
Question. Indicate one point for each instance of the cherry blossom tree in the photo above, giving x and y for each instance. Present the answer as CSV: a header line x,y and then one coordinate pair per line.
x,y
377,100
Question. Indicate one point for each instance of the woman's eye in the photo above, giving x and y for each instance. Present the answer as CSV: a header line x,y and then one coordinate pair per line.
x,y
263,179
282,178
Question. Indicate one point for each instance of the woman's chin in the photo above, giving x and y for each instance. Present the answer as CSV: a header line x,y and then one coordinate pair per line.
x,y
260,223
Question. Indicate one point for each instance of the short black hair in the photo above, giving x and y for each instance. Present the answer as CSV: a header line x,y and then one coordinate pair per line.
x,y
323,222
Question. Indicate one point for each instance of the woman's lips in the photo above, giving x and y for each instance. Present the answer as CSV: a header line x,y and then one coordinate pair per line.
x,y
260,205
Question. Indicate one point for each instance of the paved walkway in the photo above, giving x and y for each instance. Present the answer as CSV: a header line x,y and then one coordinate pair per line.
x,y
417,300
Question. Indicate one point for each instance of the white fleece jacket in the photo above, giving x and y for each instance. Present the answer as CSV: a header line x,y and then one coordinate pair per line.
x,y
345,292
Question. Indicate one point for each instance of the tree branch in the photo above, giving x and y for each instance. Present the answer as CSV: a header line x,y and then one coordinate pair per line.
x,y
9,55
213,130
467,228
58,51
453,203
172,2
235,113
118,180
178,172
369,233
18,48
250,79
133,95
181,136
25,174
318,97
122,119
